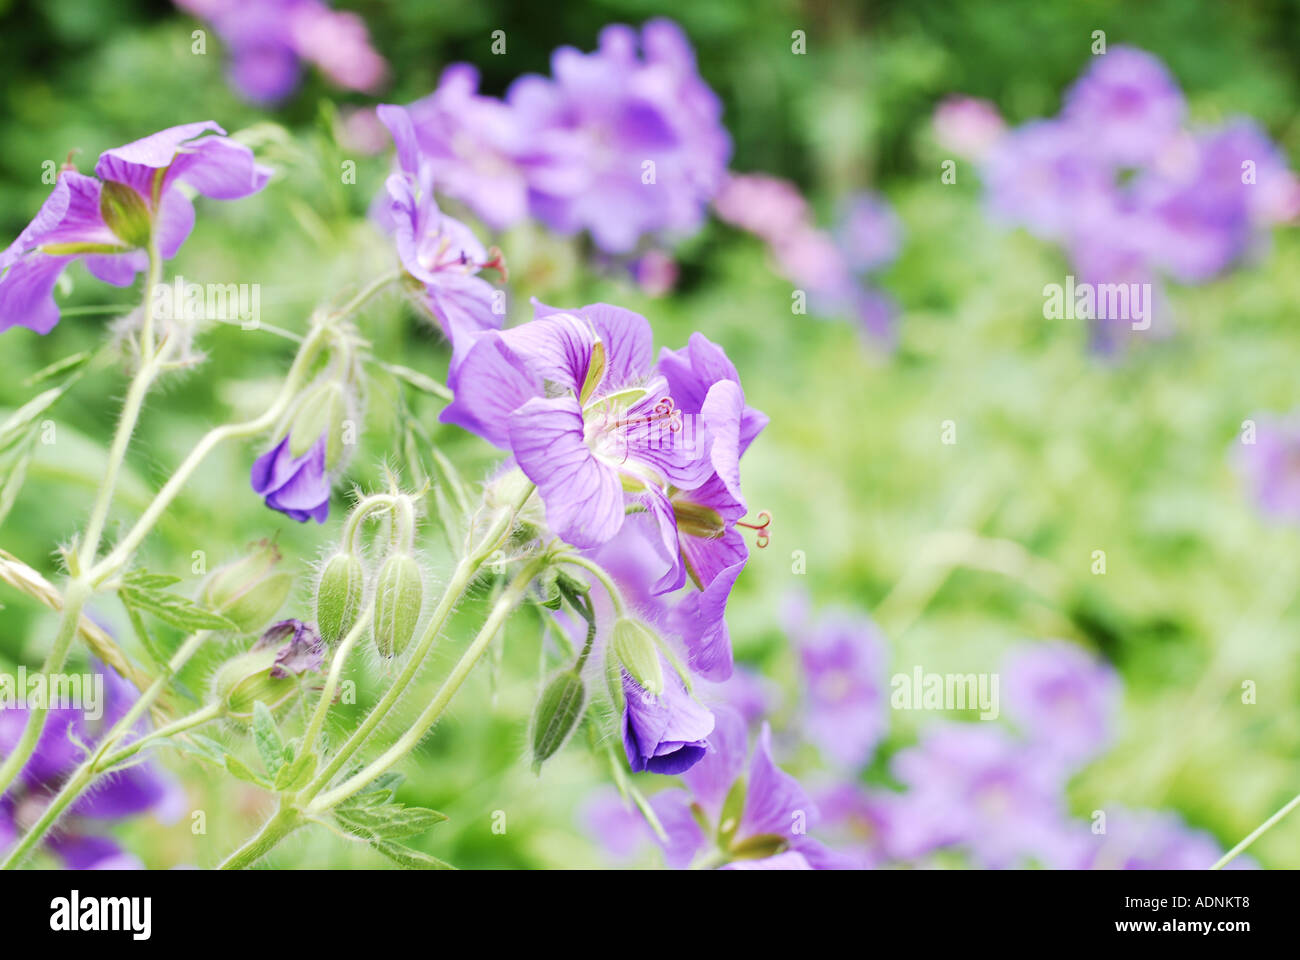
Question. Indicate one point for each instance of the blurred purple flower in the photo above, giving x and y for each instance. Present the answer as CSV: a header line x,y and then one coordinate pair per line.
x,y
110,222
869,233
614,824
1128,103
967,126
1270,466
138,789
1152,840
268,40
1063,700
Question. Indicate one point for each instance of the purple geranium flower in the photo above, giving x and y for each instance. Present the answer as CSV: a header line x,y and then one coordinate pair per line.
x,y
268,40
301,650
774,818
110,222
975,787
138,789
1130,105
646,126
298,486
1063,700
440,252
665,733
844,659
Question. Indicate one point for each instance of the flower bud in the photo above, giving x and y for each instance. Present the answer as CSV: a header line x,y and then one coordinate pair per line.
x,y
557,714
270,672
635,648
399,594
249,591
321,413
125,213
339,595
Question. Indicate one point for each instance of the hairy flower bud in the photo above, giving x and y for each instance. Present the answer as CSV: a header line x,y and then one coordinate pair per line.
x,y
339,595
249,591
321,413
635,648
270,672
399,594
557,715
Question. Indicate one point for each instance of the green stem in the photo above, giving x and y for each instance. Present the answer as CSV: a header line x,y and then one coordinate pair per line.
x,y
1258,832
332,681
505,605
615,595
284,822
196,719
368,291
463,576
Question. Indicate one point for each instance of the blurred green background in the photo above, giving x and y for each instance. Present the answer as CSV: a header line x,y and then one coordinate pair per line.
x,y
1059,451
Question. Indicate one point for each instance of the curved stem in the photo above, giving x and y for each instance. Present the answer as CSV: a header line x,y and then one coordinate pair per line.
x,y
505,605
196,719
615,595
332,681
1258,832
368,291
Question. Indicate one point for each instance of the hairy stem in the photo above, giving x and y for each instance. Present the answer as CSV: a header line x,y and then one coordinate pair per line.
x,y
332,681
284,822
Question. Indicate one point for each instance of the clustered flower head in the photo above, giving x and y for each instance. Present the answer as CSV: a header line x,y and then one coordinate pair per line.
x,y
78,840
138,198
1129,190
268,41
831,266
624,143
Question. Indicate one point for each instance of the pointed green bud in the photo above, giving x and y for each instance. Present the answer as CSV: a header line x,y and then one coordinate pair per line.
x,y
733,807
759,847
126,213
635,648
699,521
557,715
246,680
595,372
399,594
249,591
339,595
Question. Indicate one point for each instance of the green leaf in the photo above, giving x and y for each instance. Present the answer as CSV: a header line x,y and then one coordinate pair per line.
x,y
13,472
270,746
144,580
391,821
295,775
68,364
16,426
404,856
237,769
173,609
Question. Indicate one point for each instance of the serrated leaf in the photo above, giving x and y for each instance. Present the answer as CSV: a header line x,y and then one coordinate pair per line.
x,y
392,821
239,770
266,737
173,609
296,775
405,856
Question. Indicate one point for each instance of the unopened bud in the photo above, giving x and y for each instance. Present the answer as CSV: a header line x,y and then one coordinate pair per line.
x,y
125,213
635,648
270,672
320,414
557,714
399,594
339,595
249,591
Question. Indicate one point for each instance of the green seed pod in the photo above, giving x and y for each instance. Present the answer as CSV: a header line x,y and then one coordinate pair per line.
x,y
246,680
635,648
557,715
249,591
339,595
399,594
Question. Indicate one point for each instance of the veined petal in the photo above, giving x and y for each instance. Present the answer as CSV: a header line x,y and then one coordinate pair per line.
x,y
27,292
723,408
135,163
217,167
774,801
583,497
490,384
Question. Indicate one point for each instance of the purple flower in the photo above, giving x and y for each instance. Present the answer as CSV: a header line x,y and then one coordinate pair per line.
x,y
663,734
437,250
297,486
614,824
869,233
773,820
109,222
1063,700
301,650
975,787
1130,105
1270,466
268,39
1152,840
646,127
844,660
967,126
138,789
765,206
